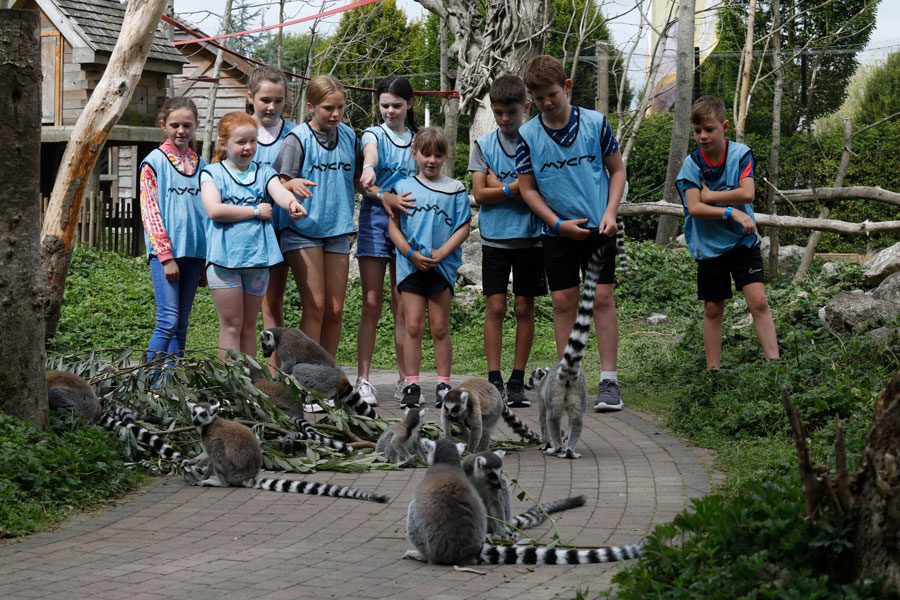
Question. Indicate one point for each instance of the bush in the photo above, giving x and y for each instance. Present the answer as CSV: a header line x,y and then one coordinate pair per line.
x,y
45,476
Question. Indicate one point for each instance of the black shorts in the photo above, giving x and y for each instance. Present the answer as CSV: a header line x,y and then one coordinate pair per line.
x,y
565,259
714,275
527,266
424,283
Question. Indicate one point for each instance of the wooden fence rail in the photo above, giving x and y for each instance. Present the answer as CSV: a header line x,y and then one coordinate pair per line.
x,y
108,224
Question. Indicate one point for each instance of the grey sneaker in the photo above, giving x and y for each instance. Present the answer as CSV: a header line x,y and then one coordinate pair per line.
x,y
610,397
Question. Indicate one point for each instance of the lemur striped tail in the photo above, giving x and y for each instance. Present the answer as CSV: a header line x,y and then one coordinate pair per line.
x,y
521,429
124,418
358,405
294,486
538,514
304,432
574,352
541,555
624,264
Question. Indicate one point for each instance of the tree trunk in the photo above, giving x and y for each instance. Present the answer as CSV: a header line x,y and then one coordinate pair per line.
x,y
775,152
450,105
747,62
810,251
23,388
681,127
208,136
104,108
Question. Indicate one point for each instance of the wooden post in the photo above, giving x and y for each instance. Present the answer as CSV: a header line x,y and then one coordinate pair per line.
x,y
601,103
104,108
23,387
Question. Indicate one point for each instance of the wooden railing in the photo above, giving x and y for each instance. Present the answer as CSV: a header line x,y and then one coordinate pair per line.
x,y
108,224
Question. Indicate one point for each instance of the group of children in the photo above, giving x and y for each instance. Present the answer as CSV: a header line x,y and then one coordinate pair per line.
x,y
549,190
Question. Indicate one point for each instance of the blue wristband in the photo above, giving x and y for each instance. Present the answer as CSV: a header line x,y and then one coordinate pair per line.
x,y
507,191
379,192
410,252
727,214
558,223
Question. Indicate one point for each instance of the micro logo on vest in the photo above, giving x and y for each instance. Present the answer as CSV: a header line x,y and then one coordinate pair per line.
x,y
333,166
575,161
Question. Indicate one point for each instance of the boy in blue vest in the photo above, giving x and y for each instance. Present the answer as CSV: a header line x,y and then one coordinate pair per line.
x,y
510,236
717,190
571,175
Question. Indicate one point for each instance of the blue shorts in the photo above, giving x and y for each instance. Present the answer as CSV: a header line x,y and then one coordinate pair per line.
x,y
373,239
291,240
253,280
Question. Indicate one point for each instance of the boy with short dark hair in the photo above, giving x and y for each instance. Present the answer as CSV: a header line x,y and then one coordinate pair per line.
x,y
510,236
572,175
717,190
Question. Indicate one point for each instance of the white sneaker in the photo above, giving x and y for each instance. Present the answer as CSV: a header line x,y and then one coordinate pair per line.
x,y
315,407
366,392
398,393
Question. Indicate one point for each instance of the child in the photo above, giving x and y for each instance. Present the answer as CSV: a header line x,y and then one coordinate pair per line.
x,y
387,158
241,244
174,225
510,236
427,242
572,176
717,189
321,152
266,97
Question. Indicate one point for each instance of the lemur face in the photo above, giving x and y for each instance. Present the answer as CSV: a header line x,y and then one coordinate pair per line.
x,y
203,413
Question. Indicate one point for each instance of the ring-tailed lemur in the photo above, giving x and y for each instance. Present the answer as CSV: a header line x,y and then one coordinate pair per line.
x,y
400,443
518,426
447,522
233,457
71,393
476,406
124,418
280,395
620,245
485,471
563,388
313,367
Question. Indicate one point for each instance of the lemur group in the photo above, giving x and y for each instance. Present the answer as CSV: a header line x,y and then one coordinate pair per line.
x,y
281,196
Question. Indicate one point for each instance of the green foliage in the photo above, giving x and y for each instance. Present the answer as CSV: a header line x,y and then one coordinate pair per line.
x,y
759,545
45,476
882,92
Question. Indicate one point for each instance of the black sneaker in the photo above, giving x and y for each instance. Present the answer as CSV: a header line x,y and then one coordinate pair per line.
x,y
439,392
412,396
500,388
515,394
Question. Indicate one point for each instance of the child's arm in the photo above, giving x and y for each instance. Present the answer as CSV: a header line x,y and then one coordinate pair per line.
x,y
422,262
370,161
699,210
488,190
285,199
153,224
532,197
452,243
227,213
615,166
744,194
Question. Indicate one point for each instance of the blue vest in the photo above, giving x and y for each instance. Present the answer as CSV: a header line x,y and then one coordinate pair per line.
x,y
331,206
240,244
511,218
394,162
709,238
435,217
572,179
265,156
180,207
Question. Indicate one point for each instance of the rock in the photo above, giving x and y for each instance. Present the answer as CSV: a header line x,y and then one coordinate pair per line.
x,y
883,264
854,312
470,269
883,334
832,268
468,295
889,289
657,319
788,256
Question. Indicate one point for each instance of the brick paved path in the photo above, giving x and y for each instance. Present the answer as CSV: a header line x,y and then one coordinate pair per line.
x,y
173,541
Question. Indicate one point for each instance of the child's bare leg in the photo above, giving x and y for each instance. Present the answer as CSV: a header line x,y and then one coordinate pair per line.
x,y
494,311
414,311
439,322
229,303
308,267
713,311
371,277
606,324
524,310
337,267
399,322
565,307
248,326
755,294
273,304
